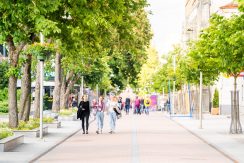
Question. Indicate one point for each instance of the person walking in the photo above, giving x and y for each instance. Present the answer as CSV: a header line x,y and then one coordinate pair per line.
x,y
100,115
147,103
142,106
127,105
113,104
137,105
83,113
120,103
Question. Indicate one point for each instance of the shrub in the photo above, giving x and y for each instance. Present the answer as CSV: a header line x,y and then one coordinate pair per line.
x,y
48,119
4,66
216,99
31,124
5,132
65,112
4,106
3,125
3,94
74,109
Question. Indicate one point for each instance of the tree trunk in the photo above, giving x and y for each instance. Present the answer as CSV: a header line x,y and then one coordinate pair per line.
x,y
25,102
62,94
235,126
12,86
56,91
12,102
37,93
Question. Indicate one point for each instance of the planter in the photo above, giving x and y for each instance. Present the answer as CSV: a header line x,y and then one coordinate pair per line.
x,y
32,133
11,142
215,111
68,118
55,124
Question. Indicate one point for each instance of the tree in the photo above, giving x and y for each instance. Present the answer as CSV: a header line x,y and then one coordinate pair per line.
x,y
19,21
222,45
148,70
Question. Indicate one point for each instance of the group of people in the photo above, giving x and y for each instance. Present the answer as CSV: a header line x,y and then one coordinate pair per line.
x,y
139,106
112,107
99,107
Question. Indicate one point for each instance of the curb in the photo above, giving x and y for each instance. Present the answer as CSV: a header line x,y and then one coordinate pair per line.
x,y
205,141
58,143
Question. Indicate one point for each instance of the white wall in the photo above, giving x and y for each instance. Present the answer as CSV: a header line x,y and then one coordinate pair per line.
x,y
225,86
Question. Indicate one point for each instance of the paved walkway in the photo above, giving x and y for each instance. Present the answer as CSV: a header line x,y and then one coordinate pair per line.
x,y
34,147
138,139
215,132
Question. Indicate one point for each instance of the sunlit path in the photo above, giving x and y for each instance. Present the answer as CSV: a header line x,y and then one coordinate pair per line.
x,y
138,139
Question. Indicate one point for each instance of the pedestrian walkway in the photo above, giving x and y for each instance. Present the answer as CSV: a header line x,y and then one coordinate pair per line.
x,y
34,147
138,139
215,132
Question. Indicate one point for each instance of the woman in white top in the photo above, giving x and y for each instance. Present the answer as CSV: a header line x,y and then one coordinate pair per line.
x,y
112,115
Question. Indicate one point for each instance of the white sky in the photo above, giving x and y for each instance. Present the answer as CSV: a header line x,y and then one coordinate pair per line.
x,y
166,21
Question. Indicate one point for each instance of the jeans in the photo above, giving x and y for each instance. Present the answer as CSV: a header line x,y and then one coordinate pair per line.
x,y
112,116
85,118
147,110
127,108
137,109
100,117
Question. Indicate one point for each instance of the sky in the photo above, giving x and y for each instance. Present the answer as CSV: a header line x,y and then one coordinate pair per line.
x,y
166,21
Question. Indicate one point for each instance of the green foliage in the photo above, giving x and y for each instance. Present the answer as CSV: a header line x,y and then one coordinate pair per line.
x,y
3,71
4,100
3,124
216,99
29,125
149,69
65,112
47,102
3,94
5,132
224,41
39,49
48,119
3,106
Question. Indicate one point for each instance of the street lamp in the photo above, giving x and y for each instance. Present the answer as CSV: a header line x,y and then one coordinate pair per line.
x,y
200,101
173,98
41,63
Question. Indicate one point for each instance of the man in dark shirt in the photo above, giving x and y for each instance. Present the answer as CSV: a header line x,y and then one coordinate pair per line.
x,y
127,105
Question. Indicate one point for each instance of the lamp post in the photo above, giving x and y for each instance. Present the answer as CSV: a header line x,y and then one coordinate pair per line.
x,y
173,98
41,63
200,101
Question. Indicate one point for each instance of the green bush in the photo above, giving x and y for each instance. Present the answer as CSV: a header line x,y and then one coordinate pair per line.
x,y
48,119
5,132
216,99
29,125
3,106
4,66
65,112
3,94
3,125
